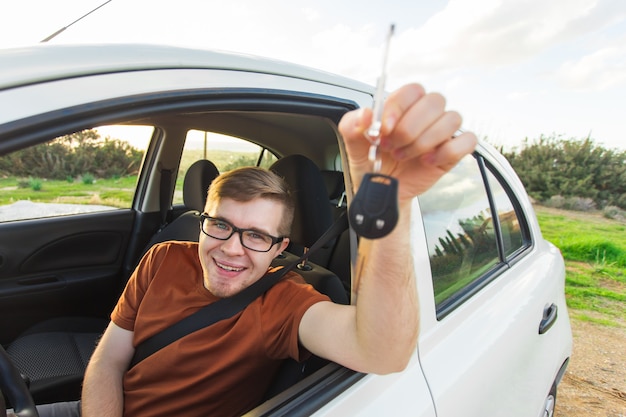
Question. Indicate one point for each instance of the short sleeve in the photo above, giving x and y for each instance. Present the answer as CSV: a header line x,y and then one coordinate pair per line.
x,y
282,309
125,311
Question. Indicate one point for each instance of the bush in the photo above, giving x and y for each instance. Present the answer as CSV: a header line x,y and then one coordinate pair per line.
x,y
35,183
613,212
572,168
88,179
71,155
571,203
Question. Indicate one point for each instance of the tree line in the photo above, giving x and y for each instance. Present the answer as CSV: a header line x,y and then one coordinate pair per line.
x,y
70,156
570,173
578,171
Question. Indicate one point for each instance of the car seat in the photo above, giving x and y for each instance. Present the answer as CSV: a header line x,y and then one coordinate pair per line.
x,y
312,217
53,354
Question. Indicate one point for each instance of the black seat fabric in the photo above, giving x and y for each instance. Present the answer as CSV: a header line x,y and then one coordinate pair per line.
x,y
339,261
198,178
313,215
53,354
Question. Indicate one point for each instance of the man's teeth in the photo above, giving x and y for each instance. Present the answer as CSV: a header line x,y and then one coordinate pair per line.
x,y
229,268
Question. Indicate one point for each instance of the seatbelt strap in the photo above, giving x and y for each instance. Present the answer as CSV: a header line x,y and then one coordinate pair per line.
x,y
164,195
227,307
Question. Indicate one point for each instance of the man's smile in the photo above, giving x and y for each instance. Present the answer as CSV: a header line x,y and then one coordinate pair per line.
x,y
230,268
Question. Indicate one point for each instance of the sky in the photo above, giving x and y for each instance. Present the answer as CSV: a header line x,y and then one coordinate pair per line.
x,y
514,69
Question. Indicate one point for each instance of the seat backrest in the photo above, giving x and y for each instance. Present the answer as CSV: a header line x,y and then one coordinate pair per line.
x,y
313,214
339,261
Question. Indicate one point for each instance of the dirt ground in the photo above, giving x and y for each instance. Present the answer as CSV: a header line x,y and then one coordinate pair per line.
x,y
595,382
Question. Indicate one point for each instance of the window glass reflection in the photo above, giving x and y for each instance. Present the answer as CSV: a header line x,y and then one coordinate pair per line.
x,y
459,230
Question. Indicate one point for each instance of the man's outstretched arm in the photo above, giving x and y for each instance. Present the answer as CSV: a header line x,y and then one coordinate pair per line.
x,y
379,332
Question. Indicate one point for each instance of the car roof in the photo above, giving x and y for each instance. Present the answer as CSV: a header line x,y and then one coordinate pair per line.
x,y
48,62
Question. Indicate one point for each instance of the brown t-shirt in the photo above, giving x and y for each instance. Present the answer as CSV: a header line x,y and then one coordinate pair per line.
x,y
221,370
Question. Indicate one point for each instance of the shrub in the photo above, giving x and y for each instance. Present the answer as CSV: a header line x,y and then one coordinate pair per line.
x,y
570,203
35,183
580,204
556,201
571,168
88,179
614,212
70,155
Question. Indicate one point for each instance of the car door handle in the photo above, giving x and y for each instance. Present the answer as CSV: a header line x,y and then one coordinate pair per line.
x,y
549,317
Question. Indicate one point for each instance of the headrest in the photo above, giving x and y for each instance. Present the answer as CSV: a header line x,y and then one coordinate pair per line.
x,y
313,214
334,183
197,180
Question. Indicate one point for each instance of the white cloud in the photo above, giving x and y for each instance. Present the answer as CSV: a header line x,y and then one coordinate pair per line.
x,y
596,71
496,33
311,14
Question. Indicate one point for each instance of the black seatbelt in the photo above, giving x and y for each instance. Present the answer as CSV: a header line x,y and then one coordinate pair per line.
x,y
164,195
227,307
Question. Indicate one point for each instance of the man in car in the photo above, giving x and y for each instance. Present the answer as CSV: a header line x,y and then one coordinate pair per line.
x,y
222,370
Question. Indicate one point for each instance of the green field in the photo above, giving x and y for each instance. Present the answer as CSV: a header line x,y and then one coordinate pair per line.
x,y
594,249
115,192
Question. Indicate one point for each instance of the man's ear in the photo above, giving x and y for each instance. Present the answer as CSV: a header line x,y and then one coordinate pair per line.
x,y
283,245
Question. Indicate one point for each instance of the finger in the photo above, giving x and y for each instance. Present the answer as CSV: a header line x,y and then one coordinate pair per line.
x,y
398,103
439,131
415,121
353,124
450,152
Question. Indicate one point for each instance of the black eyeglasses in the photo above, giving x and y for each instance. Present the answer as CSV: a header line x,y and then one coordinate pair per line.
x,y
249,238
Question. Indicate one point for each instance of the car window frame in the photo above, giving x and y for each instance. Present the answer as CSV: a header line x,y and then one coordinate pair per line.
x,y
503,264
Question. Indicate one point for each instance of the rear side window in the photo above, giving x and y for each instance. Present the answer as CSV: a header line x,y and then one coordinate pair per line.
x,y
472,229
226,152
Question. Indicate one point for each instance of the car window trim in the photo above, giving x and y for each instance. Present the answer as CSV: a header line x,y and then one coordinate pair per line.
x,y
447,306
311,394
39,128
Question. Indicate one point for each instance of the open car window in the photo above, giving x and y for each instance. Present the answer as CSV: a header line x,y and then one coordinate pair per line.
x,y
86,171
226,152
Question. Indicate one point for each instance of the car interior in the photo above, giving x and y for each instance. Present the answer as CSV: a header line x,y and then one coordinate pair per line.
x,y
59,322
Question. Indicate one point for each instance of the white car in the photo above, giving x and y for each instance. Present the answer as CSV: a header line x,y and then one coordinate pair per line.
x,y
495,335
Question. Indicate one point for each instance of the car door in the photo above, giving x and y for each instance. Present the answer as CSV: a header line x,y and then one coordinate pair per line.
x,y
63,257
496,343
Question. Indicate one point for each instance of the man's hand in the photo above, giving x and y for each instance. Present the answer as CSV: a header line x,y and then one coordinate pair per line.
x,y
417,145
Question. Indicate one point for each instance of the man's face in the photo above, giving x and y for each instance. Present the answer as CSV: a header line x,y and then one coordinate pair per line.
x,y
228,267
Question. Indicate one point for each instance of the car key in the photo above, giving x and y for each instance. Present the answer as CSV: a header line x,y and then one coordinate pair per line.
x,y
373,212
374,209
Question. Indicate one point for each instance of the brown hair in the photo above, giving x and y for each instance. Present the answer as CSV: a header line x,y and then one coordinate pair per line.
x,y
248,183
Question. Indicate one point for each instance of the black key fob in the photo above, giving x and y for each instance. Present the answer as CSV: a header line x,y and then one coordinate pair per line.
x,y
373,212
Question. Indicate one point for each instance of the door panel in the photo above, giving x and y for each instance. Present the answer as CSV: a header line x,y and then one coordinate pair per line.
x,y
488,344
67,265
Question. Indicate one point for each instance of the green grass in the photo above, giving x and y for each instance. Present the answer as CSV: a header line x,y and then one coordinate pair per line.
x,y
115,192
594,249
